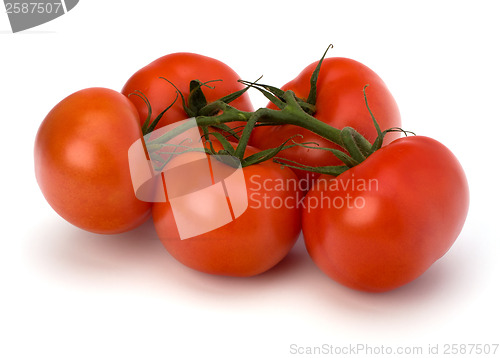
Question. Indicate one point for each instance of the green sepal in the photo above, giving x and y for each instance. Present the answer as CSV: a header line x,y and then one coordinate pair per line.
x,y
157,119
143,97
277,92
163,162
184,103
196,99
230,160
364,145
224,127
314,79
228,148
377,144
206,135
351,144
232,96
343,157
278,101
334,170
266,154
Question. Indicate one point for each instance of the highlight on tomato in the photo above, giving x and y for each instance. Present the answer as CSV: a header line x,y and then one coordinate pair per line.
x,y
81,161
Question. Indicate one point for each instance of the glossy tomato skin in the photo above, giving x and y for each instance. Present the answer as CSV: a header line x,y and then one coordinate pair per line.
x,y
252,243
340,103
180,68
408,214
81,161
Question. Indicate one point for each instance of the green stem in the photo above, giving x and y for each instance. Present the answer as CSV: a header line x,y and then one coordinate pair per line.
x,y
292,114
245,136
314,79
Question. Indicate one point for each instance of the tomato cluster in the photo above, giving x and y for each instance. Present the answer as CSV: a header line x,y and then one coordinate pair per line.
x,y
326,156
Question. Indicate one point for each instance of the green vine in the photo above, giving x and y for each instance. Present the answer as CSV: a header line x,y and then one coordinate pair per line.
x,y
212,119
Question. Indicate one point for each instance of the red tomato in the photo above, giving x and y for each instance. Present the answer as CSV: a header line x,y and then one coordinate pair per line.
x,y
384,222
180,68
81,161
340,103
249,244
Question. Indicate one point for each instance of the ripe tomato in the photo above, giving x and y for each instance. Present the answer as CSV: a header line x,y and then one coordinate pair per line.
x,y
249,244
180,68
81,161
340,103
384,222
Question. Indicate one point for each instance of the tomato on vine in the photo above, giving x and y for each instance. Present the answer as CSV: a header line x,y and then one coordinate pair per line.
x,y
161,81
81,161
335,96
258,236
384,222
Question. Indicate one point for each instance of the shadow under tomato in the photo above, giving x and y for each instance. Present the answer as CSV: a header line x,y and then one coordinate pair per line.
x,y
214,287
447,288
137,261
78,257
65,250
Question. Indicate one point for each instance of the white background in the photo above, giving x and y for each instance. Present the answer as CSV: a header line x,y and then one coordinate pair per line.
x,y
68,293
